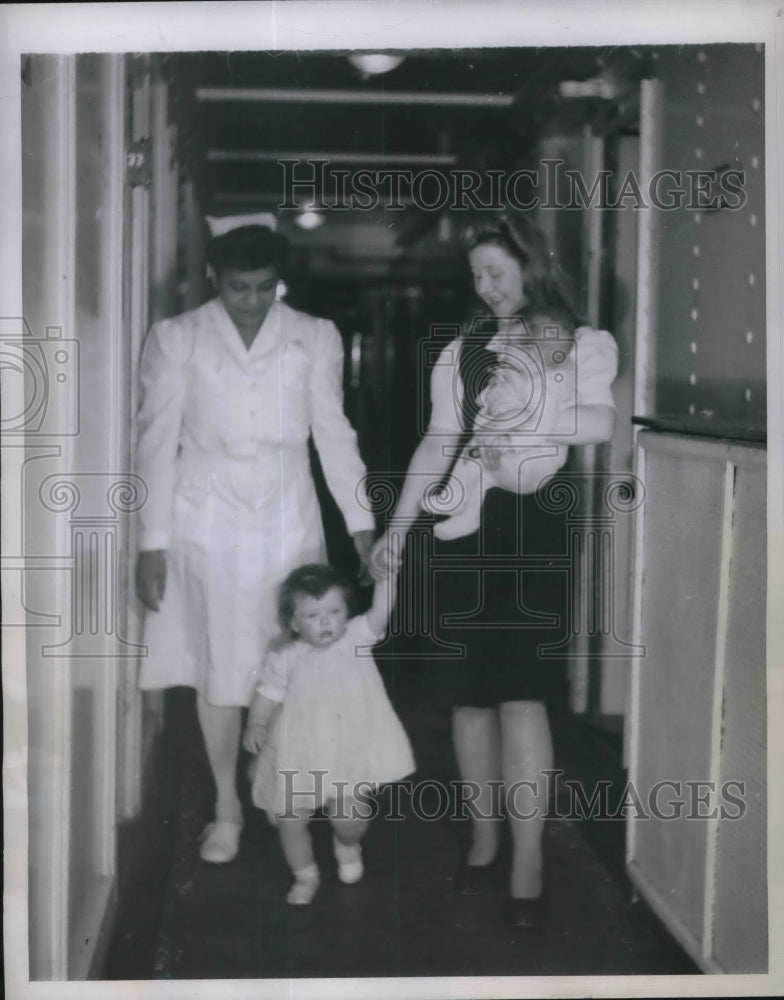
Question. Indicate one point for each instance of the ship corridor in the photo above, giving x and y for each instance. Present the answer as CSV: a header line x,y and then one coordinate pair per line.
x,y
125,156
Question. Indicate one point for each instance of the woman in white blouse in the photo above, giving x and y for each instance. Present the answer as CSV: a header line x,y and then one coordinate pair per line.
x,y
505,612
231,392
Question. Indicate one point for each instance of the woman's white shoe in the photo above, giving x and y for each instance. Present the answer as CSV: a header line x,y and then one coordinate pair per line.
x,y
220,842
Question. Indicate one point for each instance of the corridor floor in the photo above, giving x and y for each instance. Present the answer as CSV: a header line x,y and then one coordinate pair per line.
x,y
187,920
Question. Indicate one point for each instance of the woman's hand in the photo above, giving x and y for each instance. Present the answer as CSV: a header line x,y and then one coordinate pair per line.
x,y
253,737
151,578
363,543
386,557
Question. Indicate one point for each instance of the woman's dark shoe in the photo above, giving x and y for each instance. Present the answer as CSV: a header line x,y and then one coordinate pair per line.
x,y
474,879
526,914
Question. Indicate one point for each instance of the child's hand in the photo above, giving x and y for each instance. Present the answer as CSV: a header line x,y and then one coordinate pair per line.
x,y
253,738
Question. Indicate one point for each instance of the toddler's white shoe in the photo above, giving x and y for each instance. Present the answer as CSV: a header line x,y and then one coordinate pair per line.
x,y
220,842
349,858
306,883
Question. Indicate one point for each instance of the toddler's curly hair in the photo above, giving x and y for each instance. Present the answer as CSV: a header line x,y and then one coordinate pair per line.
x,y
312,580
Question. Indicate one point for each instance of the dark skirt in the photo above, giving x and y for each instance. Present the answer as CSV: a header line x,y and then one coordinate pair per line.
x,y
500,598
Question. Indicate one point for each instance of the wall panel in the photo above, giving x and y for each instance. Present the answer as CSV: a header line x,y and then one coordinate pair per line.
x,y
740,934
699,698
683,534
710,327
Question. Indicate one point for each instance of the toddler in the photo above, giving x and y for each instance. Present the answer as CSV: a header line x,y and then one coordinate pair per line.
x,y
321,723
518,408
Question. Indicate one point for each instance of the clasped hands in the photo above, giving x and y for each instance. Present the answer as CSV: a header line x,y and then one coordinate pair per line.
x,y
387,555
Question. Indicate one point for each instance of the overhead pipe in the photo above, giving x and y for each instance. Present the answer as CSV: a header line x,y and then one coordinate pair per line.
x,y
275,95
264,156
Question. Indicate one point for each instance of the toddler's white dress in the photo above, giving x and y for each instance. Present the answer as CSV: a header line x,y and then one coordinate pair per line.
x,y
335,733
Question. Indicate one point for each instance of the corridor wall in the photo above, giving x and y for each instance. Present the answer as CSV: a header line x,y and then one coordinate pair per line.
x,y
698,705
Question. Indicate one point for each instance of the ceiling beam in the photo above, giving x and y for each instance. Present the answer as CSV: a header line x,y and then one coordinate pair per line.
x,y
277,95
275,197
264,156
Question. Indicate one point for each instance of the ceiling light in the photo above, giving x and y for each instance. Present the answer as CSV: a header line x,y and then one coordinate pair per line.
x,y
309,219
374,63
599,87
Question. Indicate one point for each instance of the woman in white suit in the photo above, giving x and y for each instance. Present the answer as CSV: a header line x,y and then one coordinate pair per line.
x,y
230,393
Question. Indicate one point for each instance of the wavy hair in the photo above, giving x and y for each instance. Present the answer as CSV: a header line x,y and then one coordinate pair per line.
x,y
545,287
311,580
545,284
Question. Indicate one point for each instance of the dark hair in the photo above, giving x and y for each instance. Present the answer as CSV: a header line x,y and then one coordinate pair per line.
x,y
547,296
249,248
313,580
545,285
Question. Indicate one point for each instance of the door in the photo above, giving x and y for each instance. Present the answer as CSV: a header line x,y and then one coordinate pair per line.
x,y
78,499
611,647
602,651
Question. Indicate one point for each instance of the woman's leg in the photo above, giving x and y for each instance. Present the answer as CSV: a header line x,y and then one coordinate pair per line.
x,y
477,741
221,726
526,751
